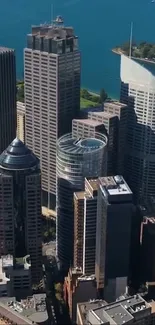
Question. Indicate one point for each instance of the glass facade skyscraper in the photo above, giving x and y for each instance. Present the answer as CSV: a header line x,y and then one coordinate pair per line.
x,y
20,205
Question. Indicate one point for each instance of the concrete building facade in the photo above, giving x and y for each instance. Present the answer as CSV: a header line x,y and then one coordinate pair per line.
x,y
52,68
21,121
86,128
7,97
85,212
20,205
113,235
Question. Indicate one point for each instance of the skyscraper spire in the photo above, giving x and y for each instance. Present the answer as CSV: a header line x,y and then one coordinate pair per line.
x,y
131,33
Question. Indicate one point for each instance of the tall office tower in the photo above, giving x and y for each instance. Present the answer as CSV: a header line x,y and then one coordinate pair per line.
x,y
52,95
20,208
85,211
110,122
86,128
121,111
21,121
77,158
138,91
113,233
7,97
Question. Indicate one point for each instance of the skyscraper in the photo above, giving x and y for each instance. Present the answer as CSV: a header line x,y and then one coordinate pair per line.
x,y
113,233
85,214
52,94
7,97
77,158
138,91
20,205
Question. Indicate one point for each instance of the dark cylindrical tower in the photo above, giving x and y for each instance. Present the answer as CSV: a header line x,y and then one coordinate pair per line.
x,y
20,205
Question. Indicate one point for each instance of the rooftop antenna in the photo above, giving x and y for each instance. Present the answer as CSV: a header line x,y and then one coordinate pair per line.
x,y
131,33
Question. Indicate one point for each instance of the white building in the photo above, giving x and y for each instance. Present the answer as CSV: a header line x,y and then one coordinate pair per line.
x,y
138,89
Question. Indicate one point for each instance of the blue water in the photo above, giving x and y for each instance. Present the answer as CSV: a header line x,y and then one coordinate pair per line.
x,y
100,25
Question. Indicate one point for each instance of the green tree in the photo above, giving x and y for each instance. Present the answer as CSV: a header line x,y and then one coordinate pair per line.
x,y
95,99
126,47
85,94
20,92
103,95
145,51
151,53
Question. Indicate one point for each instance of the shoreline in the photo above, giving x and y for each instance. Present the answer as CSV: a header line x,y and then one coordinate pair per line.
x,y
120,52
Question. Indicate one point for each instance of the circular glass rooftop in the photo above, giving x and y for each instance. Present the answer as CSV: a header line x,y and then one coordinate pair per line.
x,y
18,156
70,145
91,143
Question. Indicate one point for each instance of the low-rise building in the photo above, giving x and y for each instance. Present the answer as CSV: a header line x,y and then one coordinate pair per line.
x,y
28,311
126,310
78,288
15,276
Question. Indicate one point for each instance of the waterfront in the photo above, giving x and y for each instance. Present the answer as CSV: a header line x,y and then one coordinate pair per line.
x,y
99,24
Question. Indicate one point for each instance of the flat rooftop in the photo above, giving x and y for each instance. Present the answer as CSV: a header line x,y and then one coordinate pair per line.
x,y
28,311
90,305
120,312
102,114
93,183
80,195
115,104
87,122
90,185
114,185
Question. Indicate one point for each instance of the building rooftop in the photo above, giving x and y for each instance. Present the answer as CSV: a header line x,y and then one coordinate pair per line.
x,y
102,114
87,122
28,311
91,186
4,49
115,104
93,183
70,145
55,30
114,185
18,156
80,195
123,311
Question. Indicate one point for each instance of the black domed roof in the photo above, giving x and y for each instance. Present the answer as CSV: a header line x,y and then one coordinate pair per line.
x,y
18,156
